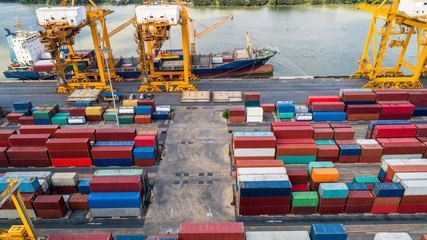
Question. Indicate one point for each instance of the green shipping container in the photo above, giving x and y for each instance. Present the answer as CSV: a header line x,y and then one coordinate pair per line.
x,y
59,120
305,199
42,114
56,106
62,114
365,179
313,165
109,116
126,119
325,142
296,159
285,114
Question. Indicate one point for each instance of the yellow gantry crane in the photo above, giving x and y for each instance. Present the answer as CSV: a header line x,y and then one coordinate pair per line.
x,y
17,232
61,25
153,24
401,21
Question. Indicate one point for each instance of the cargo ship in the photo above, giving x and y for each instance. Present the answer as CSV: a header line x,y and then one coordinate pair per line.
x,y
29,61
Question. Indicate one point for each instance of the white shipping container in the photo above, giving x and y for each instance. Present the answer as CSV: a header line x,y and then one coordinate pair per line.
x,y
392,236
255,152
13,214
277,235
414,187
116,212
148,13
399,177
401,156
402,162
366,141
40,175
44,185
163,108
127,110
301,109
76,119
74,16
261,171
65,179
254,119
217,60
303,116
262,178
353,90
413,8
254,111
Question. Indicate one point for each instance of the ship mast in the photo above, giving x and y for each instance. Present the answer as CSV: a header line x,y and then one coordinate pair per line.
x,y
18,25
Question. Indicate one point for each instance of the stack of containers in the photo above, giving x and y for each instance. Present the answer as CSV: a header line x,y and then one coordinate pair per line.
x,y
40,129
65,183
109,115
390,131
268,107
363,112
387,197
296,153
414,198
4,137
258,163
393,235
299,180
78,202
326,115
252,99
43,115
322,131
343,131
143,175
22,113
109,204
422,132
162,112
112,134
369,181
322,175
349,153
328,151
285,109
28,150
212,231
115,154
50,206
328,231
371,151
396,111
254,146
357,96
418,98
372,124
8,210
28,184
94,113
263,191
126,114
401,148
60,118
143,114
304,202
332,198
254,114
68,152
292,130
147,102
44,178
75,133
4,162
237,115
359,198
77,115
26,120
148,143
391,166
14,117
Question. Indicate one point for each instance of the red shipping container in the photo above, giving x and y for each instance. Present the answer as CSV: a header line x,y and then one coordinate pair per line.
x,y
259,163
3,158
264,201
311,99
356,198
340,125
293,132
417,208
328,106
237,112
14,117
422,139
363,109
327,159
268,107
403,148
69,154
384,209
296,150
78,202
297,175
386,201
237,119
348,159
358,96
39,129
328,151
71,162
397,108
76,133
287,124
147,102
147,132
52,213
370,159
145,141
212,231
344,133
28,199
295,141
252,96
27,153
254,142
94,118
391,95
49,202
26,120
332,201
80,236
323,133
345,142
259,210
303,210
371,150
77,111
30,162
395,116
112,152
5,134
357,209
411,199
300,188
5,144
112,134
397,140
320,125
397,169
65,189
395,130
422,130
68,144
115,184
330,209
143,119
29,139
363,117
144,162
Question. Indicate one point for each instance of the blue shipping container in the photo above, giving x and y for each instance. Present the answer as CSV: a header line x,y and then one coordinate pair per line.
x,y
28,184
388,190
114,143
160,115
420,111
104,162
115,200
252,103
312,165
22,105
83,186
143,110
83,104
286,107
350,150
333,190
144,153
328,232
265,189
356,186
329,116
381,174
42,121
386,122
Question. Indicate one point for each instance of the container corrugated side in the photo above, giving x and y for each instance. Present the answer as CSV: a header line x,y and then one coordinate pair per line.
x,y
259,152
401,162
40,175
115,200
277,235
414,187
65,179
399,177
392,236
261,171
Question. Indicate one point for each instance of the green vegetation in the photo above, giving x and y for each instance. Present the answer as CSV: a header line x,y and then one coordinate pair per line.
x,y
226,114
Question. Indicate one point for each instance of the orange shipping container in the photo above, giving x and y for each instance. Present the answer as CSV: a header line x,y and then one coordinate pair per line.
x,y
325,175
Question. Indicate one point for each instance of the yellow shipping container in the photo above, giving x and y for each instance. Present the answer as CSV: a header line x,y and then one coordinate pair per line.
x,y
130,103
109,110
325,175
94,111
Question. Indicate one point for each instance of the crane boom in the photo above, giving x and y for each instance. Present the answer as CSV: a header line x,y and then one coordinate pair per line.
x,y
120,28
212,27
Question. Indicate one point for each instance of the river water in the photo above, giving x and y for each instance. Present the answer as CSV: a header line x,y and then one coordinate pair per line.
x,y
313,41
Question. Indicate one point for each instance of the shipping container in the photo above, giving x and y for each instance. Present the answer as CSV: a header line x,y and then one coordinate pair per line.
x,y
313,165
212,231
414,187
116,184
333,190
328,232
325,175
115,200
68,144
80,236
111,134
392,236
65,179
277,235
29,139
388,190
305,199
